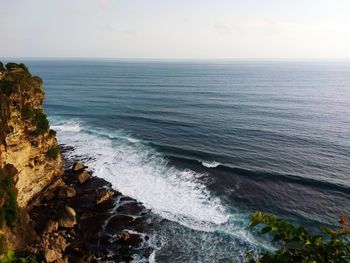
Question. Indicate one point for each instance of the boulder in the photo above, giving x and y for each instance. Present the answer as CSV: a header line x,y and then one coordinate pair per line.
x,y
124,236
66,192
103,194
51,226
78,167
67,218
83,177
52,255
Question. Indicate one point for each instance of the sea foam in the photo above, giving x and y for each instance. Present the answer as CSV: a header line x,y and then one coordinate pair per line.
x,y
144,174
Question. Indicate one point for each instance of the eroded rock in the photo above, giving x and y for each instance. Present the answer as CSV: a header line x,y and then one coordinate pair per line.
x,y
68,218
83,177
103,195
66,192
51,226
78,167
52,255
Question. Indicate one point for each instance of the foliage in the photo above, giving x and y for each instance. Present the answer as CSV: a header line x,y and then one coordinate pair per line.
x,y
53,152
11,258
2,68
52,133
296,244
27,112
41,122
9,211
11,66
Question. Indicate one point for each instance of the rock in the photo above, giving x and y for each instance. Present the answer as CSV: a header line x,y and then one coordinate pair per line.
x,y
78,167
51,226
66,192
103,195
83,177
59,244
124,236
52,255
68,218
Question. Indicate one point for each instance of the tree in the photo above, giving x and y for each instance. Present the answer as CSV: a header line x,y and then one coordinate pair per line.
x,y
296,244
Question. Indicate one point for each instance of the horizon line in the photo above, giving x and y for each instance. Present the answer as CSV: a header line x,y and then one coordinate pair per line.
x,y
170,58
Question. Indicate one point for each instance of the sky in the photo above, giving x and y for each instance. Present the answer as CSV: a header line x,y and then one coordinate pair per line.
x,y
179,29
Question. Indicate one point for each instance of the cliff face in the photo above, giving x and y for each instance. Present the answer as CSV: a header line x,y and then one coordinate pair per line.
x,y
25,139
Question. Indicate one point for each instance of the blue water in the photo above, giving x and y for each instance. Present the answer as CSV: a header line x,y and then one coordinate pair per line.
x,y
205,143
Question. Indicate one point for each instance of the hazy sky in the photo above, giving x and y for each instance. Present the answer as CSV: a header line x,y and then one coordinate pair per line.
x,y
175,29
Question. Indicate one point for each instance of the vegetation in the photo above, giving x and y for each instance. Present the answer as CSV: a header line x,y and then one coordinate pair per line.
x,y
27,112
41,122
296,244
11,258
9,212
53,152
13,66
2,68
52,133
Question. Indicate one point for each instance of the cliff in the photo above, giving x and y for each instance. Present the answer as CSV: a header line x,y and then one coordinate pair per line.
x,y
48,213
29,155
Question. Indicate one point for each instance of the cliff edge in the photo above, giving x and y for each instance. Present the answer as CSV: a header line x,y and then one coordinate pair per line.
x,y
29,156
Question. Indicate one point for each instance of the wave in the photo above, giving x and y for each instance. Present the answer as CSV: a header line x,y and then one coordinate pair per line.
x,y
261,175
212,164
140,172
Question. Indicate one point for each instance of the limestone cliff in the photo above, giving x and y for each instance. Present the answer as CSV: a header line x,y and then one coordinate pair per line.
x,y
26,142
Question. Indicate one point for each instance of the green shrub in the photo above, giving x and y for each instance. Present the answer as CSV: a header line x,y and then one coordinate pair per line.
x,y
9,211
53,152
52,133
11,66
38,90
2,68
296,244
11,258
27,112
41,122
24,67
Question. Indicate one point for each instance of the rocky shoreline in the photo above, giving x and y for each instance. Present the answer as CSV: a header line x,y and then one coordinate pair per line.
x,y
80,218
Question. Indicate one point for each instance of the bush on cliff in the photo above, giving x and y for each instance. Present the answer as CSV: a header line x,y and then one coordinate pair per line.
x,y
9,211
53,152
296,244
41,122
27,112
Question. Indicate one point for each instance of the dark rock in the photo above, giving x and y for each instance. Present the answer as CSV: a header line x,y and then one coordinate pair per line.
x,y
68,218
66,192
124,236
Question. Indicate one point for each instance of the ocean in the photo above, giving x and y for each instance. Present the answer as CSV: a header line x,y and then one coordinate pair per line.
x,y
203,144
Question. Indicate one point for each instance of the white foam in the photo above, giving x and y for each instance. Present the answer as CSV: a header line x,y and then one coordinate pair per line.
x,y
140,172
69,126
212,164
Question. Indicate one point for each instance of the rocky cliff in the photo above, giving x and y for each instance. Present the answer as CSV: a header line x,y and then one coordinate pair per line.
x,y
29,155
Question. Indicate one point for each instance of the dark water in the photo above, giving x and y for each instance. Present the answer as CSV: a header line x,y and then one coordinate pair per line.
x,y
204,144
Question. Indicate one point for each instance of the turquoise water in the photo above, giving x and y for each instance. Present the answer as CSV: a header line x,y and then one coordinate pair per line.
x,y
204,144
